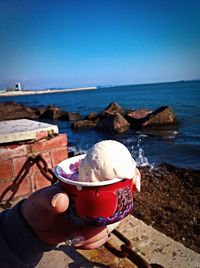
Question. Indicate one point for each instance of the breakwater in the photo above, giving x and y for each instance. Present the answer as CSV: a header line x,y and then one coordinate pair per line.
x,y
46,91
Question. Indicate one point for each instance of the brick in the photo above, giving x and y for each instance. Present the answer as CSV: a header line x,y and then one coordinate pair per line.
x,y
21,165
14,150
38,179
47,157
48,144
59,155
6,169
15,188
41,181
32,176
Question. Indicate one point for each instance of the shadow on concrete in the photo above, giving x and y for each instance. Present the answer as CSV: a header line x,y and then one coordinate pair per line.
x,y
79,259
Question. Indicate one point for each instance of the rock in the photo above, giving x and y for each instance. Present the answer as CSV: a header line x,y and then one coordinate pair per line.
x,y
110,119
53,112
40,111
13,110
91,116
83,124
114,123
134,117
72,116
163,116
112,109
139,114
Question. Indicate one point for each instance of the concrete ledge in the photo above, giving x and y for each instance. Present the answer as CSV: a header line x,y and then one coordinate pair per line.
x,y
152,245
23,129
156,247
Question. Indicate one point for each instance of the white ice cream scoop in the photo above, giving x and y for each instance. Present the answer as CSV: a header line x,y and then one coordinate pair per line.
x,y
107,160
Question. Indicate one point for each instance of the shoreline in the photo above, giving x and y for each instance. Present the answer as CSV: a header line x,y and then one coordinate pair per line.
x,y
169,202
46,91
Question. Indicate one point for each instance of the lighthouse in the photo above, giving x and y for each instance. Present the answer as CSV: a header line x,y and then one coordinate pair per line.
x,y
18,87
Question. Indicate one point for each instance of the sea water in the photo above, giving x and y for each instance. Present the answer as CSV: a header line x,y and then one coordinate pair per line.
x,y
179,146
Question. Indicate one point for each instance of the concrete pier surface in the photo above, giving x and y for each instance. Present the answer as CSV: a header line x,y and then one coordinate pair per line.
x,y
153,246
46,91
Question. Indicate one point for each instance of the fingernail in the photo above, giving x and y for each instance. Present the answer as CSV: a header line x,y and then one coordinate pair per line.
x,y
78,240
55,199
112,226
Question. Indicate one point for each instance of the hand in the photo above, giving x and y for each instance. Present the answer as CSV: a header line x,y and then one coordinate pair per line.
x,y
45,210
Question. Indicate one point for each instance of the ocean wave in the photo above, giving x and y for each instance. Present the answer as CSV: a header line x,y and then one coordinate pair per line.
x,y
135,146
141,159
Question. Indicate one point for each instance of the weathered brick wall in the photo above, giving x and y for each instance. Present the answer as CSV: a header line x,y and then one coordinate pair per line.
x,y
19,176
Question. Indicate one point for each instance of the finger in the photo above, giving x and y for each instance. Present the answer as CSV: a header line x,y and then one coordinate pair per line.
x,y
46,204
60,202
87,237
52,199
112,226
96,244
95,234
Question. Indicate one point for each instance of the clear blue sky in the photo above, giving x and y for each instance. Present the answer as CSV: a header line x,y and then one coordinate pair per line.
x,y
70,43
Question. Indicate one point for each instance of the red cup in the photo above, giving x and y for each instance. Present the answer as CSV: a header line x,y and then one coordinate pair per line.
x,y
94,203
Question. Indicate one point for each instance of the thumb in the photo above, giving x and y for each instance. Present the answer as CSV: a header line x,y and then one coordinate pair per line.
x,y
60,202
50,200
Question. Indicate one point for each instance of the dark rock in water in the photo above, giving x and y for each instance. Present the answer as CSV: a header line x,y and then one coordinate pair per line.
x,y
112,109
40,111
92,116
162,116
135,117
13,110
114,123
53,112
169,201
83,124
72,116
112,119
139,113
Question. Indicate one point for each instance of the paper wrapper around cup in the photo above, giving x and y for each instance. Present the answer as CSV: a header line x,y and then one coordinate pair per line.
x,y
94,203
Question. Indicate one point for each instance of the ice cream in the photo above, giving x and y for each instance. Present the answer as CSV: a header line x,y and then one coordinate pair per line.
x,y
107,160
